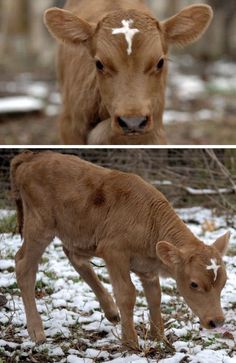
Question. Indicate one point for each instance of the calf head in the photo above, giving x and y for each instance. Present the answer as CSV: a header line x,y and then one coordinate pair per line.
x,y
200,276
129,50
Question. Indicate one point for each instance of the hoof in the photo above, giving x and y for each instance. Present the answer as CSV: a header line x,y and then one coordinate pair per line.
x,y
156,336
132,346
37,336
115,318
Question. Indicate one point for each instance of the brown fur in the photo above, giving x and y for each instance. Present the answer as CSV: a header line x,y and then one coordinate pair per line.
x,y
129,86
120,218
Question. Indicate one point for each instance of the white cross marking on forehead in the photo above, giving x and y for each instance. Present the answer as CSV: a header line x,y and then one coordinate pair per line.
x,y
128,33
213,267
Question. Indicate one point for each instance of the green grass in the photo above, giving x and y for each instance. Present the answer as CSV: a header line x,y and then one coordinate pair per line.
x,y
8,224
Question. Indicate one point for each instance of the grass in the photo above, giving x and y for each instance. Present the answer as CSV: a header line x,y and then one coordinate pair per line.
x,y
8,224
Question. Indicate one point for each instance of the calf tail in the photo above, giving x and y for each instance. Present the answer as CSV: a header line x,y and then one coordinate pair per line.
x,y
15,191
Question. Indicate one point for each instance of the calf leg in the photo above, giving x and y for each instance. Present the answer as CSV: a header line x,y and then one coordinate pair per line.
x,y
125,295
101,134
83,267
152,292
27,259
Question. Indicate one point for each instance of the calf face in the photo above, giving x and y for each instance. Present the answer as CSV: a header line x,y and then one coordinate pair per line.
x,y
130,53
200,276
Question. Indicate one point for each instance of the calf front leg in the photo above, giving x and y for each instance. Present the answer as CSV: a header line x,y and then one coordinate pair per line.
x,y
152,292
124,290
27,259
84,268
101,134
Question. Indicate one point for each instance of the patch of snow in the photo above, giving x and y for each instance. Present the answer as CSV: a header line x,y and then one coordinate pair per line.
x,y
161,182
7,280
226,69
205,115
37,89
222,84
55,352
180,332
188,87
20,104
6,213
94,353
74,359
175,359
6,264
212,356
176,116
208,191
55,98
52,110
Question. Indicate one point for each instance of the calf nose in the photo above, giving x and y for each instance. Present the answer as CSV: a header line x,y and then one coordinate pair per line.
x,y
216,323
133,124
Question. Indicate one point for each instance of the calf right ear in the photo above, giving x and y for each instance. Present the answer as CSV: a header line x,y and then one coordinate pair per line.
x,y
67,27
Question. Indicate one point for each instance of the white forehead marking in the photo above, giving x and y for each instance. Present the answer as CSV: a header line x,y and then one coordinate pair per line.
x,y
213,267
128,33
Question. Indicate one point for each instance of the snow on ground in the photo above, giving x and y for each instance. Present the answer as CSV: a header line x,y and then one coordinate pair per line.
x,y
75,326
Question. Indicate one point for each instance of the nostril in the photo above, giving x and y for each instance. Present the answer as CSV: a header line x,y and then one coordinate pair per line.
x,y
212,324
122,123
144,123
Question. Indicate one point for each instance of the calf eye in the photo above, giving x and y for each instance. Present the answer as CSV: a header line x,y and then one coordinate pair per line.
x,y
160,64
193,285
99,65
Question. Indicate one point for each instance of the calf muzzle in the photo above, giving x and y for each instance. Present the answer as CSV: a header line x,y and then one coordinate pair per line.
x,y
216,323
135,124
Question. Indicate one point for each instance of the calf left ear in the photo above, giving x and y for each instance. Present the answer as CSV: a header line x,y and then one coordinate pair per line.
x,y
221,244
188,25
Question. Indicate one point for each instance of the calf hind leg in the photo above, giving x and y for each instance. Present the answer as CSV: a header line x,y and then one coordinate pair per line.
x,y
27,260
84,268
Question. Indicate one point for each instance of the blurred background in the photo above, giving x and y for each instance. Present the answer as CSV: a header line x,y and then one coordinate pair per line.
x,y
189,178
201,95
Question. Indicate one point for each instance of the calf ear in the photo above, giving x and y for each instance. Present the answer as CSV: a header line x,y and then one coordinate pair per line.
x,y
188,25
221,244
67,27
169,254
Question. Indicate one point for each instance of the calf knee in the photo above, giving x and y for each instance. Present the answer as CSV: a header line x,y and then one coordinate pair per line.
x,y
126,297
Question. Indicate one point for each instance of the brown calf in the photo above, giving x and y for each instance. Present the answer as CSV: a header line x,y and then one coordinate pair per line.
x,y
112,67
124,220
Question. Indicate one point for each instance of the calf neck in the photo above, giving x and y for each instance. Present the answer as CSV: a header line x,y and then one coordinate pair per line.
x,y
112,67
125,221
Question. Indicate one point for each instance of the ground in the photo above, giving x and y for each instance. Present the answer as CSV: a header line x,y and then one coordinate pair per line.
x,y
200,107
76,328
